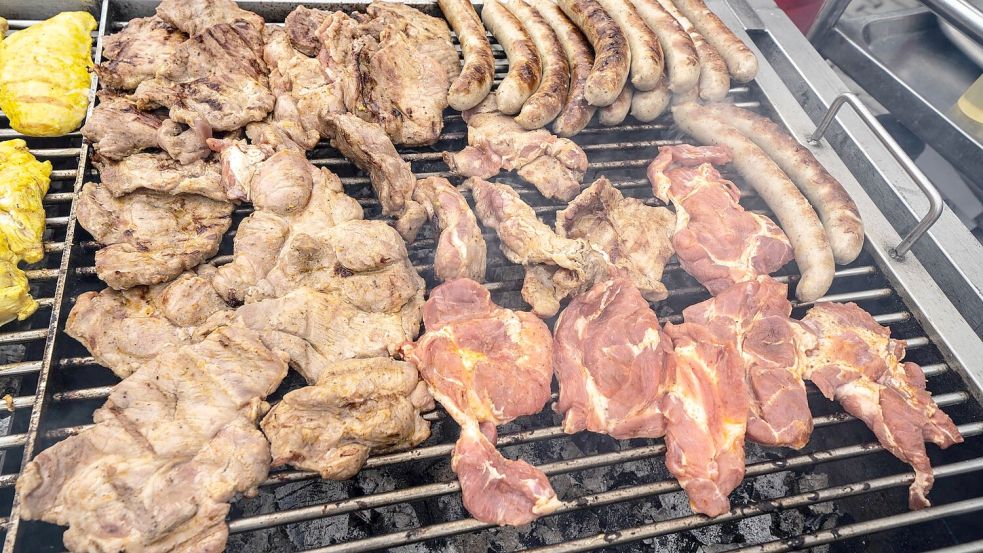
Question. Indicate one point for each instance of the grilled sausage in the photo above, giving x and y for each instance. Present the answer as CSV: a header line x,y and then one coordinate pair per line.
x,y
647,106
611,55
524,68
797,218
836,209
615,113
545,104
741,61
576,111
714,80
475,80
681,60
646,52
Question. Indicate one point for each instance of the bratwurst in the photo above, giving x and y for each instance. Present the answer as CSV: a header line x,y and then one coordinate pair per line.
x,y
524,68
611,54
475,80
577,112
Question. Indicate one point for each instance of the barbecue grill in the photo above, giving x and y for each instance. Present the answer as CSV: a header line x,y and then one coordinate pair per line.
x,y
843,489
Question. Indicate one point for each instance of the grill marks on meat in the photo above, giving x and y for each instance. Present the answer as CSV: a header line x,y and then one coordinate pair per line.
x,y
706,408
357,407
125,329
474,355
134,54
218,77
195,16
170,448
117,128
160,173
301,26
150,237
461,251
636,237
716,240
754,317
859,365
556,267
427,35
611,359
367,145
555,166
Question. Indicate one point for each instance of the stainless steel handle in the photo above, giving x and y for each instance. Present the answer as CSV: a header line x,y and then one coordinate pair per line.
x,y
934,197
961,15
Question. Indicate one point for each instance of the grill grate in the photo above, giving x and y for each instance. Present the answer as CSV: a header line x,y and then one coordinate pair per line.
x,y
839,489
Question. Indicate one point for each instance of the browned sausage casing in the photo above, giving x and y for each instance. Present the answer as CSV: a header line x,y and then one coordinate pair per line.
x,y
646,52
796,216
714,83
647,106
741,61
475,80
836,209
615,113
545,104
576,111
524,67
682,61
611,55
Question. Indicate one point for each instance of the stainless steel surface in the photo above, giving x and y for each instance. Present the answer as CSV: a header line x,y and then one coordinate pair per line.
x,y
829,13
926,186
961,14
970,47
370,512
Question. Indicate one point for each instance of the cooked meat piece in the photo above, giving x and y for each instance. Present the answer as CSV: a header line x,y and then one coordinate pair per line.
x,y
133,55
716,240
555,166
358,407
124,330
461,249
159,173
858,364
173,444
340,39
474,356
306,95
301,26
426,35
573,264
754,317
117,128
196,16
150,237
185,144
295,204
217,77
636,237
367,145
611,359
706,410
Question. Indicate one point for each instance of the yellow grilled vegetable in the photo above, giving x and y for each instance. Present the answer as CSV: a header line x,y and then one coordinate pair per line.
x,y
15,297
44,74
23,182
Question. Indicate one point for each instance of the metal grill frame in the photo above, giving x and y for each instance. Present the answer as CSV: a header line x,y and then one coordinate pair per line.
x,y
922,295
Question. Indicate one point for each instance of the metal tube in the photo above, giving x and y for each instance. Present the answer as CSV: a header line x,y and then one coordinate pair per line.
x,y
829,13
961,15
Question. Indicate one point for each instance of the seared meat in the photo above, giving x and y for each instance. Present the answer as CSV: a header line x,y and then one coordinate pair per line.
x,y
357,407
150,237
125,329
611,359
858,364
217,77
133,55
426,35
555,166
487,365
635,236
716,240
366,145
185,144
170,448
754,317
158,172
117,128
706,409
301,26
461,249
195,16
556,267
